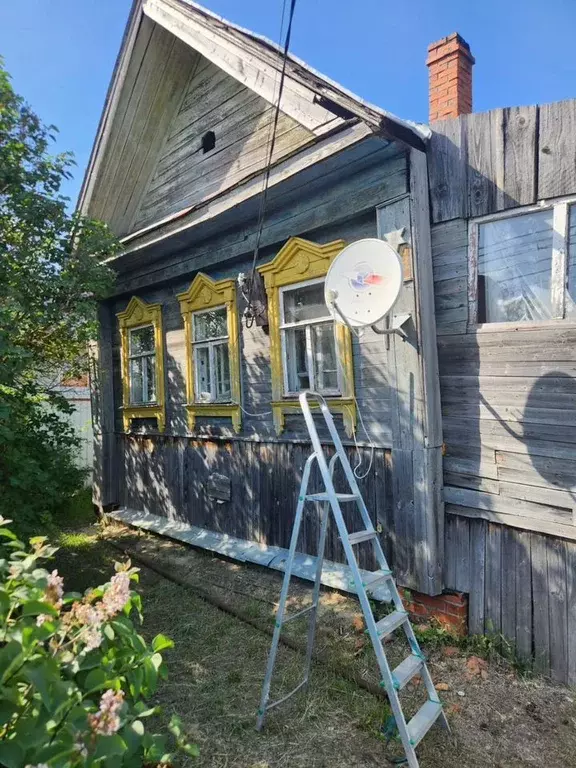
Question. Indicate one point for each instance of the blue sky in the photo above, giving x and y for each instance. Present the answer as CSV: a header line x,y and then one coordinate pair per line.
x,y
61,52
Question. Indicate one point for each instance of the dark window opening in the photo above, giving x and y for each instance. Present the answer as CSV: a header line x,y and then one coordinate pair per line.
x,y
481,299
208,141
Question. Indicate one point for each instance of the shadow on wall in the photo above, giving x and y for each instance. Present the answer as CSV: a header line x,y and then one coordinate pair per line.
x,y
168,474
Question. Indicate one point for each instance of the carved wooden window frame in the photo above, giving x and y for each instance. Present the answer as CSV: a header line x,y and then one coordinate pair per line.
x,y
137,314
299,261
560,208
204,294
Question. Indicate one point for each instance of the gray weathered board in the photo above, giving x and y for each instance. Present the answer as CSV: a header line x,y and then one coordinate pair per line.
x,y
492,161
508,394
521,585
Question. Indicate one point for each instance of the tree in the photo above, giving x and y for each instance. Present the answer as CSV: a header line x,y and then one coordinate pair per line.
x,y
51,275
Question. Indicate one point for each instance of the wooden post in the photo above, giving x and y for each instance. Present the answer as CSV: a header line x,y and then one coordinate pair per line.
x,y
105,477
416,420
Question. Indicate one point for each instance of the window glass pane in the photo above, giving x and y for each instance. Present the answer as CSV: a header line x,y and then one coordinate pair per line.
x,y
150,379
305,303
514,265
222,372
202,368
296,360
571,292
136,380
210,325
324,348
142,340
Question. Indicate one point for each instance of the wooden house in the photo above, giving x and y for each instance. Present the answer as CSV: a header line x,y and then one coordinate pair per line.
x,y
465,422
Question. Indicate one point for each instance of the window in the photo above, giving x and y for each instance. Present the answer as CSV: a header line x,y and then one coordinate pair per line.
x,y
142,363
308,342
523,265
308,350
211,356
213,350
142,369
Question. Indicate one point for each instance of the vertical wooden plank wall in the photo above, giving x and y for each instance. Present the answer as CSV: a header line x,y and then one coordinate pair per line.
x,y
508,395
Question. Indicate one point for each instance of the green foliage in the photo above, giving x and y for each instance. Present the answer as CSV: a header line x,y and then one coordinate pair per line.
x,y
75,676
51,273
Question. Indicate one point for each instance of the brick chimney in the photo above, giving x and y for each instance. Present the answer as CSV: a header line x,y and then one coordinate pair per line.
x,y
450,66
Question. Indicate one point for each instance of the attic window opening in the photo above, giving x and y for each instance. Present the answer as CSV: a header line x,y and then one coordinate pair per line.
x,y
208,141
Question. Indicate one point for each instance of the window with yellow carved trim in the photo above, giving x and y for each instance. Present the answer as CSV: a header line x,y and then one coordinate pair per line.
x,y
308,350
142,363
212,350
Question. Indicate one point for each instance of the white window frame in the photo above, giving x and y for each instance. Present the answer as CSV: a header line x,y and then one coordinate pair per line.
x,y
306,324
144,368
211,345
558,278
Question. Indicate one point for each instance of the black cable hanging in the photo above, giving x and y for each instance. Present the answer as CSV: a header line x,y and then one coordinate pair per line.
x,y
250,313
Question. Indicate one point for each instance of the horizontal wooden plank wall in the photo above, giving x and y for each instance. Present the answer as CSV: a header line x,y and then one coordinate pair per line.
x,y
241,121
492,161
508,394
337,201
372,358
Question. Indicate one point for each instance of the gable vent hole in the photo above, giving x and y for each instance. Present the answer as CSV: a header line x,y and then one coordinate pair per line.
x,y
208,141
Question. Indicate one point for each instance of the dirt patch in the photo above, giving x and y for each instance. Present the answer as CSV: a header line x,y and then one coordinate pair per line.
x,y
499,719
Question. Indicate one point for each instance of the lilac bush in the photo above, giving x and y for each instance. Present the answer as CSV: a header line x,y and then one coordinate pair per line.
x,y
75,675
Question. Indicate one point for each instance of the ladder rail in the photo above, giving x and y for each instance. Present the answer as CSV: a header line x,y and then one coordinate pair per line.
x,y
284,594
410,732
341,453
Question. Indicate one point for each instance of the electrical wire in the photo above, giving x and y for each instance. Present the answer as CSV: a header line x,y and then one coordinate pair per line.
x,y
264,194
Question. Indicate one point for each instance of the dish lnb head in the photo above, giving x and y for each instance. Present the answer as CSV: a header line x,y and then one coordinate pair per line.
x,y
363,282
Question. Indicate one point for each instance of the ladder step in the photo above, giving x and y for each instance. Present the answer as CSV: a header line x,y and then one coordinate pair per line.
x,y
375,578
359,536
297,615
324,496
391,622
406,670
423,720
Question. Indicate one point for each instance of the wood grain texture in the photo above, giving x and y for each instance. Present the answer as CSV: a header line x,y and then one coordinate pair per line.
x,y
520,156
154,97
558,608
184,176
447,169
477,601
540,600
557,149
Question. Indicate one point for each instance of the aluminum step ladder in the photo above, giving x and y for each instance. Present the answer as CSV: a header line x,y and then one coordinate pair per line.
x,y
393,680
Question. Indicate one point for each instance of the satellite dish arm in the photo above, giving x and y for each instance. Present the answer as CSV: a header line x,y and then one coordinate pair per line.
x,y
395,327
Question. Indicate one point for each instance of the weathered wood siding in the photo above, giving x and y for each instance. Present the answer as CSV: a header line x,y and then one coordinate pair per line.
x,y
521,585
241,120
337,199
168,476
505,158
508,393
157,75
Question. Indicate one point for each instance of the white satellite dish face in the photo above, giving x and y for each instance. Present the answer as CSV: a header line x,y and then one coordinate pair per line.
x,y
363,282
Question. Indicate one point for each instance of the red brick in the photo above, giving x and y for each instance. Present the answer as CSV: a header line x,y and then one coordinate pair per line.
x,y
456,599
449,610
450,66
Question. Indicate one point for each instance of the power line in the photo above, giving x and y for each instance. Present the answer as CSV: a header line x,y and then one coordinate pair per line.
x,y
264,194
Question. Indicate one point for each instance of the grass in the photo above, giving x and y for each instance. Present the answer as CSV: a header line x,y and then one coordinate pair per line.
x,y
217,666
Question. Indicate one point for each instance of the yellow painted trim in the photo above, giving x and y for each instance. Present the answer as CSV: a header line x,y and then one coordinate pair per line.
x,y
345,406
136,314
203,294
300,260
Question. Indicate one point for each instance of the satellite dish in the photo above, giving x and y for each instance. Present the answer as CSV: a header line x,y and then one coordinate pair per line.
x,y
363,282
